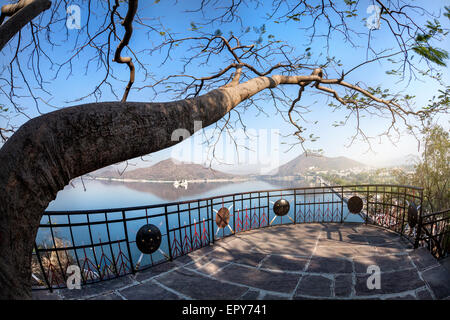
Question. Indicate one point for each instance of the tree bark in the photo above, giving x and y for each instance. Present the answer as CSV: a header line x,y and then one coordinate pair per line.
x,y
50,150
22,13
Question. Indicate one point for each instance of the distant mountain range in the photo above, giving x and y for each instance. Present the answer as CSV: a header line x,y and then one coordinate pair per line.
x,y
304,162
170,170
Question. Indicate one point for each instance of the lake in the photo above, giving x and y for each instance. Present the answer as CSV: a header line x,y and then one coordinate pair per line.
x,y
108,194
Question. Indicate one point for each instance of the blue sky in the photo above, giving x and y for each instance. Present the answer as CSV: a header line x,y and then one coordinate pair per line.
x,y
332,140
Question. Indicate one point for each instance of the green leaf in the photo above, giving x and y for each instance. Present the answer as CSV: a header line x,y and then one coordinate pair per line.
x,y
435,55
423,37
447,13
193,27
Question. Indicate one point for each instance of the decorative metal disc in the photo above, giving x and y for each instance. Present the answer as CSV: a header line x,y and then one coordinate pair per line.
x,y
355,204
148,238
281,207
412,214
223,217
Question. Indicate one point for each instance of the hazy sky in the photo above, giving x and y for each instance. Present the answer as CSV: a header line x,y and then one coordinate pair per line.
x,y
271,146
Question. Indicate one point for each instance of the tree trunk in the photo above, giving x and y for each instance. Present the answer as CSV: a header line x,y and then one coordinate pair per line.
x,y
22,12
50,150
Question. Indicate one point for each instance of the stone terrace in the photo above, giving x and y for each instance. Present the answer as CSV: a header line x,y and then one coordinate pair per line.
x,y
303,261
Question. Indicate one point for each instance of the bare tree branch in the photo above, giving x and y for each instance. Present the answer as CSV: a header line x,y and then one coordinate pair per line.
x,y
128,24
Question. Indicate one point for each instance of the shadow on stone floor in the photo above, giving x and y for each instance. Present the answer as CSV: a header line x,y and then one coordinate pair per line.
x,y
303,261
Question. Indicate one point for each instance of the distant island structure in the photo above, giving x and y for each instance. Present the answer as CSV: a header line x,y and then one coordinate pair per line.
x,y
183,184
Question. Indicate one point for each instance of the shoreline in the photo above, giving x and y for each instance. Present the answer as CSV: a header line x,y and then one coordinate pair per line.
x,y
167,181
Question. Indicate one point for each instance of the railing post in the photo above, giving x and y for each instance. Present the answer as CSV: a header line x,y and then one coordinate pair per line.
x,y
168,233
190,227
125,229
418,232
419,223
404,212
75,250
367,205
210,210
110,246
342,204
42,268
314,205
250,209
200,224
179,229
323,203
234,214
259,209
242,212
93,246
295,206
62,271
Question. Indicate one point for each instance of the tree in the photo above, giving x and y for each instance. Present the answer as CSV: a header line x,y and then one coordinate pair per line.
x,y
432,172
49,150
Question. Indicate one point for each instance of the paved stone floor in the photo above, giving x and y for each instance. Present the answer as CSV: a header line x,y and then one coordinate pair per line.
x,y
304,261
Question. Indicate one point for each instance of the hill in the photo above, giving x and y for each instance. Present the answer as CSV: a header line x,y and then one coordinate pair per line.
x,y
315,162
168,170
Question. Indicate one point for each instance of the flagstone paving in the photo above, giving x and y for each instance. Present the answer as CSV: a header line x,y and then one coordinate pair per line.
x,y
303,261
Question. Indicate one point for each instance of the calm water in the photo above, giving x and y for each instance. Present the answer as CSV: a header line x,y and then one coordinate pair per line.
x,y
104,195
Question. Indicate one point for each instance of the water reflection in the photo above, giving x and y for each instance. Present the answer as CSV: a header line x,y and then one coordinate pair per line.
x,y
100,194
166,191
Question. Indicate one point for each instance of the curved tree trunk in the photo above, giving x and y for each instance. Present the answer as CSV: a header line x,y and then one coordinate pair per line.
x,y
21,13
50,150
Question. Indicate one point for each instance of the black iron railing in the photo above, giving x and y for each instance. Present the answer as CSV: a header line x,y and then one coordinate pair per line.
x,y
434,233
102,243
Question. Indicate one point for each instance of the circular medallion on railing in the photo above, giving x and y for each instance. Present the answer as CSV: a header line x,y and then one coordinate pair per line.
x,y
148,238
355,204
281,207
222,217
412,214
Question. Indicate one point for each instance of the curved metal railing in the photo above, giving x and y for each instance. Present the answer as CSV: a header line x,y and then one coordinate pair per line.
x,y
102,243
434,233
